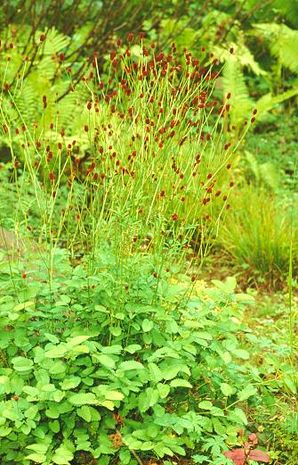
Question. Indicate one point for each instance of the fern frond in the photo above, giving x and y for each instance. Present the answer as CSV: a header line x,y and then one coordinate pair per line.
x,y
283,43
242,55
246,59
268,101
54,44
233,78
25,101
68,107
264,173
233,82
289,9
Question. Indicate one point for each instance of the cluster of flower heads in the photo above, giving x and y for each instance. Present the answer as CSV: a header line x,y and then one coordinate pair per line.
x,y
153,119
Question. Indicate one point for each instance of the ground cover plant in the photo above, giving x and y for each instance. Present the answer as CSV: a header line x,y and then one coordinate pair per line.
x,y
142,376
135,171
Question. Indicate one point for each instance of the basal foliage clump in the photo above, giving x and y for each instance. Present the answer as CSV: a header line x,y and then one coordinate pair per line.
x,y
261,239
121,363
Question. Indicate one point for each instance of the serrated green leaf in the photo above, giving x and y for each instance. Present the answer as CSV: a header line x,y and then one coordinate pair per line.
x,y
22,364
41,448
115,330
57,367
70,383
64,300
84,412
199,458
226,357
170,372
124,456
106,361
31,391
4,431
205,405
83,399
31,412
62,456
241,415
36,457
114,395
163,390
108,404
54,426
180,382
247,392
204,335
227,389
132,348
23,306
57,352
218,427
155,372
148,399
130,365
77,340
241,353
52,338
147,325
52,412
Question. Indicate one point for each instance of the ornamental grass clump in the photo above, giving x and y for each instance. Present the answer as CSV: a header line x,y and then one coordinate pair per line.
x,y
259,234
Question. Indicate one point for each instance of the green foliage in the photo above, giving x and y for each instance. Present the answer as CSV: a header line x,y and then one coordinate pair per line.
x,y
268,101
261,174
274,361
32,88
258,231
283,43
274,143
287,8
91,32
142,367
234,83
